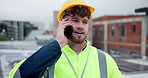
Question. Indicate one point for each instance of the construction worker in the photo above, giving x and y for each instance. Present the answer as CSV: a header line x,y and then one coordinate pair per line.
x,y
69,57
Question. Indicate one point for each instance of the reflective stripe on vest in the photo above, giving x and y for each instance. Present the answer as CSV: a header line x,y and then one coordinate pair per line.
x,y
102,66
17,74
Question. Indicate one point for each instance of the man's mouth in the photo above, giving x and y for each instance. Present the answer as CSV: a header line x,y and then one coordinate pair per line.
x,y
79,32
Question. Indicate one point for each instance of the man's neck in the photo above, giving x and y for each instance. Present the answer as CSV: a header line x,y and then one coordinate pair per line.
x,y
77,47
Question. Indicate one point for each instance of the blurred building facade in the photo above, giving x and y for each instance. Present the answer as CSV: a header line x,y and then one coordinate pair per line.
x,y
124,34
16,30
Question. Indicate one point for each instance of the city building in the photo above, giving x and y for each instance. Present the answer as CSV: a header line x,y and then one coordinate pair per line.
x,y
123,34
16,30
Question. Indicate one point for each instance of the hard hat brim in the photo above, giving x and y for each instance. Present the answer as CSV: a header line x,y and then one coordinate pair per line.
x,y
92,9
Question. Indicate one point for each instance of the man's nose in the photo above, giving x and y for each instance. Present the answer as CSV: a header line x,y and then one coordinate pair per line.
x,y
80,26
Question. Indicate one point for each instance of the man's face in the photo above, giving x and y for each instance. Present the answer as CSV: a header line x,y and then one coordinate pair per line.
x,y
80,26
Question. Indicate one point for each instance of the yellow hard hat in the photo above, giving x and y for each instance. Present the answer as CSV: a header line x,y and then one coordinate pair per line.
x,y
72,3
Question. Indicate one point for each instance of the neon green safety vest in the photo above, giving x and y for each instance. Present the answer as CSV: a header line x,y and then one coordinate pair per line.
x,y
83,65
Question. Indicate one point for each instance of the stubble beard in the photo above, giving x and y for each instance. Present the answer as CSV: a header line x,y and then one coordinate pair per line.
x,y
79,40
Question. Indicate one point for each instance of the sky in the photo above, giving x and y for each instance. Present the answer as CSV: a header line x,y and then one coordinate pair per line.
x,y
42,10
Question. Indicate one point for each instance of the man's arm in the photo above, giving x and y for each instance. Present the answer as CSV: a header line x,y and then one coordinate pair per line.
x,y
39,61
46,56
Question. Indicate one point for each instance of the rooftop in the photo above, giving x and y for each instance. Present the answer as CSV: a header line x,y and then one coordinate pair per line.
x,y
114,17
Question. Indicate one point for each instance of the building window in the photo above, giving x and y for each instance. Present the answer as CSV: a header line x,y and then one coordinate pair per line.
x,y
11,22
18,23
100,31
112,31
93,31
122,30
133,28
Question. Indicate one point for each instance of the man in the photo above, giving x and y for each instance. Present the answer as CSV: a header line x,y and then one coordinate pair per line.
x,y
69,58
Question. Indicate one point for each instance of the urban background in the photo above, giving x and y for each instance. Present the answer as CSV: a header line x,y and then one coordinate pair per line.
x,y
120,31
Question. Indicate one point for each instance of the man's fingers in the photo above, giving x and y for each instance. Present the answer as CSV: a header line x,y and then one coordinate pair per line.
x,y
65,24
66,19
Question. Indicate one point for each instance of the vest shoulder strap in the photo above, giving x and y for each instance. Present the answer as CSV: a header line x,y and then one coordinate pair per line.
x,y
49,73
102,64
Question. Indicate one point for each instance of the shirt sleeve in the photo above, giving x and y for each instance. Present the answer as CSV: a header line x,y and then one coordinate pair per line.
x,y
40,60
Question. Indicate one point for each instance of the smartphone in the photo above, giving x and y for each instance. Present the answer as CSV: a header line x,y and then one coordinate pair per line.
x,y
68,32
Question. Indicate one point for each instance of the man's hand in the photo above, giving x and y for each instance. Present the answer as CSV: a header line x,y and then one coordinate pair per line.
x,y
60,37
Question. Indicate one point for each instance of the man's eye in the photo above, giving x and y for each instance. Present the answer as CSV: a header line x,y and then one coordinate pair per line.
x,y
85,22
75,20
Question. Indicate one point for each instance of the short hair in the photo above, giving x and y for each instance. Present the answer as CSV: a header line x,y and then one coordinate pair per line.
x,y
80,10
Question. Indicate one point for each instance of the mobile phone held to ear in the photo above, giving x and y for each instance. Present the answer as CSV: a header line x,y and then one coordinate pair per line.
x,y
68,32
